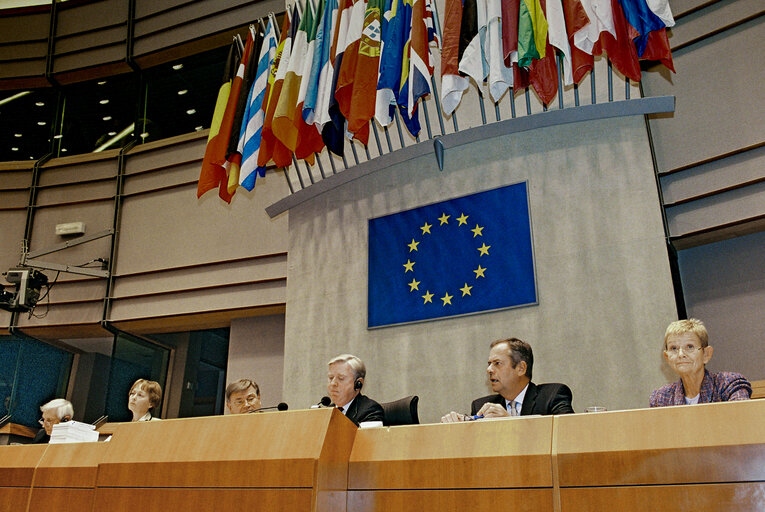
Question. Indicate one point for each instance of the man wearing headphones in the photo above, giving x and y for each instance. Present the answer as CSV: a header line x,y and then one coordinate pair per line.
x,y
345,380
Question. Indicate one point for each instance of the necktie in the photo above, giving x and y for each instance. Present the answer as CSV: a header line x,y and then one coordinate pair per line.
x,y
512,409
341,410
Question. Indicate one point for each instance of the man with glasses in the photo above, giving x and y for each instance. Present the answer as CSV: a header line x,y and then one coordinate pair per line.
x,y
687,351
509,371
243,396
54,412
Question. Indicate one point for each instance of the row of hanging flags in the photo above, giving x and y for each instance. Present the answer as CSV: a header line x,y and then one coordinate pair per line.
x,y
344,62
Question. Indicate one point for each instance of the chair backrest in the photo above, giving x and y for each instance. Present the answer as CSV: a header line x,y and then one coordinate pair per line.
x,y
402,411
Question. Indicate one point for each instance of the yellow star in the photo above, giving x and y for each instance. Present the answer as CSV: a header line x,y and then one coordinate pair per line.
x,y
413,246
409,266
413,285
444,219
426,228
428,297
477,231
484,250
479,272
447,298
462,219
466,289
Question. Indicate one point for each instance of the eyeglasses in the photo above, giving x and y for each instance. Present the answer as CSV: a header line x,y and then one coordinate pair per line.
x,y
252,399
44,422
688,350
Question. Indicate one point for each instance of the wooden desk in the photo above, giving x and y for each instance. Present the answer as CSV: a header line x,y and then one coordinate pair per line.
x,y
702,457
17,467
14,433
458,466
274,461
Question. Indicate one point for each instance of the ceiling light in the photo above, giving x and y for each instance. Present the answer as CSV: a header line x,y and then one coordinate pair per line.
x,y
40,104
104,102
107,118
17,135
41,123
198,128
191,111
14,149
102,82
144,135
177,67
111,134
182,92
57,136
63,150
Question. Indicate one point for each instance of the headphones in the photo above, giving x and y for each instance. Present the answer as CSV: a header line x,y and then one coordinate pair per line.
x,y
357,384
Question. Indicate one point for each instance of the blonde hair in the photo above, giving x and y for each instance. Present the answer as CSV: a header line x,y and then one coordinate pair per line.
x,y
152,388
356,364
691,325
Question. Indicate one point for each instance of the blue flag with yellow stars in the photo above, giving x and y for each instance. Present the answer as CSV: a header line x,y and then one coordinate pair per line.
x,y
457,257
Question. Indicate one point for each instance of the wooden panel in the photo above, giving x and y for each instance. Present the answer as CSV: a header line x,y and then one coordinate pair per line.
x,y
13,499
17,464
70,465
526,500
758,389
273,449
18,430
458,455
722,442
223,500
732,497
61,499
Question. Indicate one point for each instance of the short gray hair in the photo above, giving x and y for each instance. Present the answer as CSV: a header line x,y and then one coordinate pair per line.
x,y
356,364
62,407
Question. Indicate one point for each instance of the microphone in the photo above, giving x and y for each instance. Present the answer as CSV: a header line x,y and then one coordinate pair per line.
x,y
282,407
324,402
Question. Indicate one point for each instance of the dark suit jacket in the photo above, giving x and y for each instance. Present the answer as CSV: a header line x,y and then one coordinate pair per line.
x,y
41,437
553,398
364,408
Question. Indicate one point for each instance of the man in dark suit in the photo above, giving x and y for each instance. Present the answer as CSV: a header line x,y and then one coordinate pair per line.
x,y
345,379
509,370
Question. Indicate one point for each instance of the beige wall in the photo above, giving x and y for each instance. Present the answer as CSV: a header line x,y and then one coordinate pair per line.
x,y
256,351
603,280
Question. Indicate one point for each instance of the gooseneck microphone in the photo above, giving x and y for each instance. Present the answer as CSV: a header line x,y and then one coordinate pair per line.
x,y
324,402
282,407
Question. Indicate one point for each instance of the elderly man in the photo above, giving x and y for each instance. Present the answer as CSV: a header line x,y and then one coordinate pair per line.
x,y
242,396
345,379
54,412
510,364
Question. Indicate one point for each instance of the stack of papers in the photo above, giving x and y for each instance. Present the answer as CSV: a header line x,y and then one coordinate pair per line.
x,y
73,432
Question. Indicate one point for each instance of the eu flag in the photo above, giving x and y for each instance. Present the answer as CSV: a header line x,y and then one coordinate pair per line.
x,y
457,257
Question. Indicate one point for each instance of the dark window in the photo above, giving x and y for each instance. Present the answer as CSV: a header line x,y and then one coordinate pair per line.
x,y
26,123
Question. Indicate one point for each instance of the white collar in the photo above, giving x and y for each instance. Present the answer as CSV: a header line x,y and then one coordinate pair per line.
x,y
347,406
518,399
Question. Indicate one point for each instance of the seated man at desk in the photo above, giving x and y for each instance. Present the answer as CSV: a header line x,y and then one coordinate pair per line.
x,y
687,351
509,371
54,412
345,379
242,396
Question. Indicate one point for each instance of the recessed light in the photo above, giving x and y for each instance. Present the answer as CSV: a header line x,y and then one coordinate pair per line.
x,y
104,102
102,82
57,136
198,128
14,149
177,67
107,118
40,104
41,123
63,150
182,92
17,135
111,134
144,135
191,111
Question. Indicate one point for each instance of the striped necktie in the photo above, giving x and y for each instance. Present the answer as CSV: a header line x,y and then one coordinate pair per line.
x,y
512,408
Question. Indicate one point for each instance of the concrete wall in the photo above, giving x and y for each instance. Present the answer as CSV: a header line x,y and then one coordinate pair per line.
x,y
256,351
603,280
724,285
